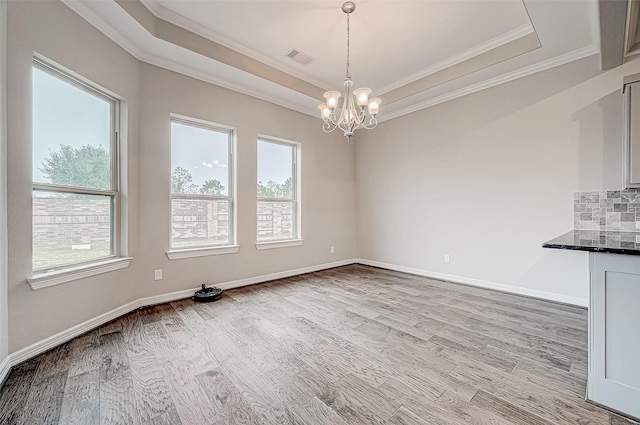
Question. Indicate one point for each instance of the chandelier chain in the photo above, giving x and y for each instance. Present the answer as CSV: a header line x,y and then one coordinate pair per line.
x,y
348,49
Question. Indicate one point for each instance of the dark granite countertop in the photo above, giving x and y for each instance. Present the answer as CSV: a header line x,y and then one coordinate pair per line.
x,y
598,241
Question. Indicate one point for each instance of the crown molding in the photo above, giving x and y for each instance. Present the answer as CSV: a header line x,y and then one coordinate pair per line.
x,y
114,35
461,57
103,26
153,7
594,21
207,77
501,79
304,104
187,24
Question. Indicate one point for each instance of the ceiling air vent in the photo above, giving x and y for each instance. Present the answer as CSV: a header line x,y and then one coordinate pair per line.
x,y
300,57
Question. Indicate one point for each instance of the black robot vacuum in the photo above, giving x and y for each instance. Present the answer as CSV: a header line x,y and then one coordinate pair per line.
x,y
207,294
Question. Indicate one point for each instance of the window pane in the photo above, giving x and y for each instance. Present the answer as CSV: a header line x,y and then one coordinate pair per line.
x,y
275,168
72,132
199,160
199,222
70,228
275,220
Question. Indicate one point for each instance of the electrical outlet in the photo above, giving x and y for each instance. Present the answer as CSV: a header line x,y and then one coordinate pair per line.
x,y
333,250
447,259
157,274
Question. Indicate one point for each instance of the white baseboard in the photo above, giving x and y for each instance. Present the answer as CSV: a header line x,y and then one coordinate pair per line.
x,y
81,328
5,368
518,290
282,275
77,330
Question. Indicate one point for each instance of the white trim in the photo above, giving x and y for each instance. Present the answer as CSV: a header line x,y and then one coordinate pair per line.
x,y
178,254
278,244
281,275
494,43
53,341
103,26
114,35
300,106
511,289
153,7
82,328
207,77
4,316
5,368
501,79
594,20
187,24
229,246
43,280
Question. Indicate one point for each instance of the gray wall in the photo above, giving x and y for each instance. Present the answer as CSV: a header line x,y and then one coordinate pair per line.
x,y
328,175
53,30
328,183
489,177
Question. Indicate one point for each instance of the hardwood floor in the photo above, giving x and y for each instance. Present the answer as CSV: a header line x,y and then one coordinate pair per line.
x,y
351,345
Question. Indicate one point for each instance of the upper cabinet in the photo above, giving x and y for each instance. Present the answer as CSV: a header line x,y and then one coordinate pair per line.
x,y
631,95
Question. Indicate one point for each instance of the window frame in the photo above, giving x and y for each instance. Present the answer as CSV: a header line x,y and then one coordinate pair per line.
x,y
296,237
114,192
231,246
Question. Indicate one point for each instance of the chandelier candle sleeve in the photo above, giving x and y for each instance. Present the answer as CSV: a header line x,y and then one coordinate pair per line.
x,y
326,111
374,106
351,117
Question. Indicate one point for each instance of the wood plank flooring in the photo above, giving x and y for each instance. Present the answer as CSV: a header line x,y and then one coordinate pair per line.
x,y
351,345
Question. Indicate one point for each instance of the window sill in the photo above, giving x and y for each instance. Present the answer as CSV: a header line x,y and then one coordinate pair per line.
x,y
178,254
43,280
278,244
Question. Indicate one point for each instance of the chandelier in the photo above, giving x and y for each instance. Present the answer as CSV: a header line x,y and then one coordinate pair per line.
x,y
352,115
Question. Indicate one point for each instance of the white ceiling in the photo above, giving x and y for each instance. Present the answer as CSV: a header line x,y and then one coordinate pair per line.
x,y
395,45
389,40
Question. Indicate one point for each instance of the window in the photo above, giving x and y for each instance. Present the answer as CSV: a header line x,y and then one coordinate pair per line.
x,y
201,184
75,178
278,207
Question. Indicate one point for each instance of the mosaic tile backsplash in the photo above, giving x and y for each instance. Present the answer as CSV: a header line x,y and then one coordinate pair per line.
x,y
602,239
614,210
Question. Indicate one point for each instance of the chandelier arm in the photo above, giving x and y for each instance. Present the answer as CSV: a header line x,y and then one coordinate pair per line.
x,y
359,118
342,125
335,123
327,127
373,122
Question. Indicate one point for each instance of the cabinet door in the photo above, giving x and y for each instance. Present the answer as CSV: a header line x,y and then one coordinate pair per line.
x,y
614,332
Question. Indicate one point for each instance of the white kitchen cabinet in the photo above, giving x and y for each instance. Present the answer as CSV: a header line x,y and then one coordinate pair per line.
x,y
614,332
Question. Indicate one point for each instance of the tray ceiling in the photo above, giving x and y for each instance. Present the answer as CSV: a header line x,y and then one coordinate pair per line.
x,y
411,53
